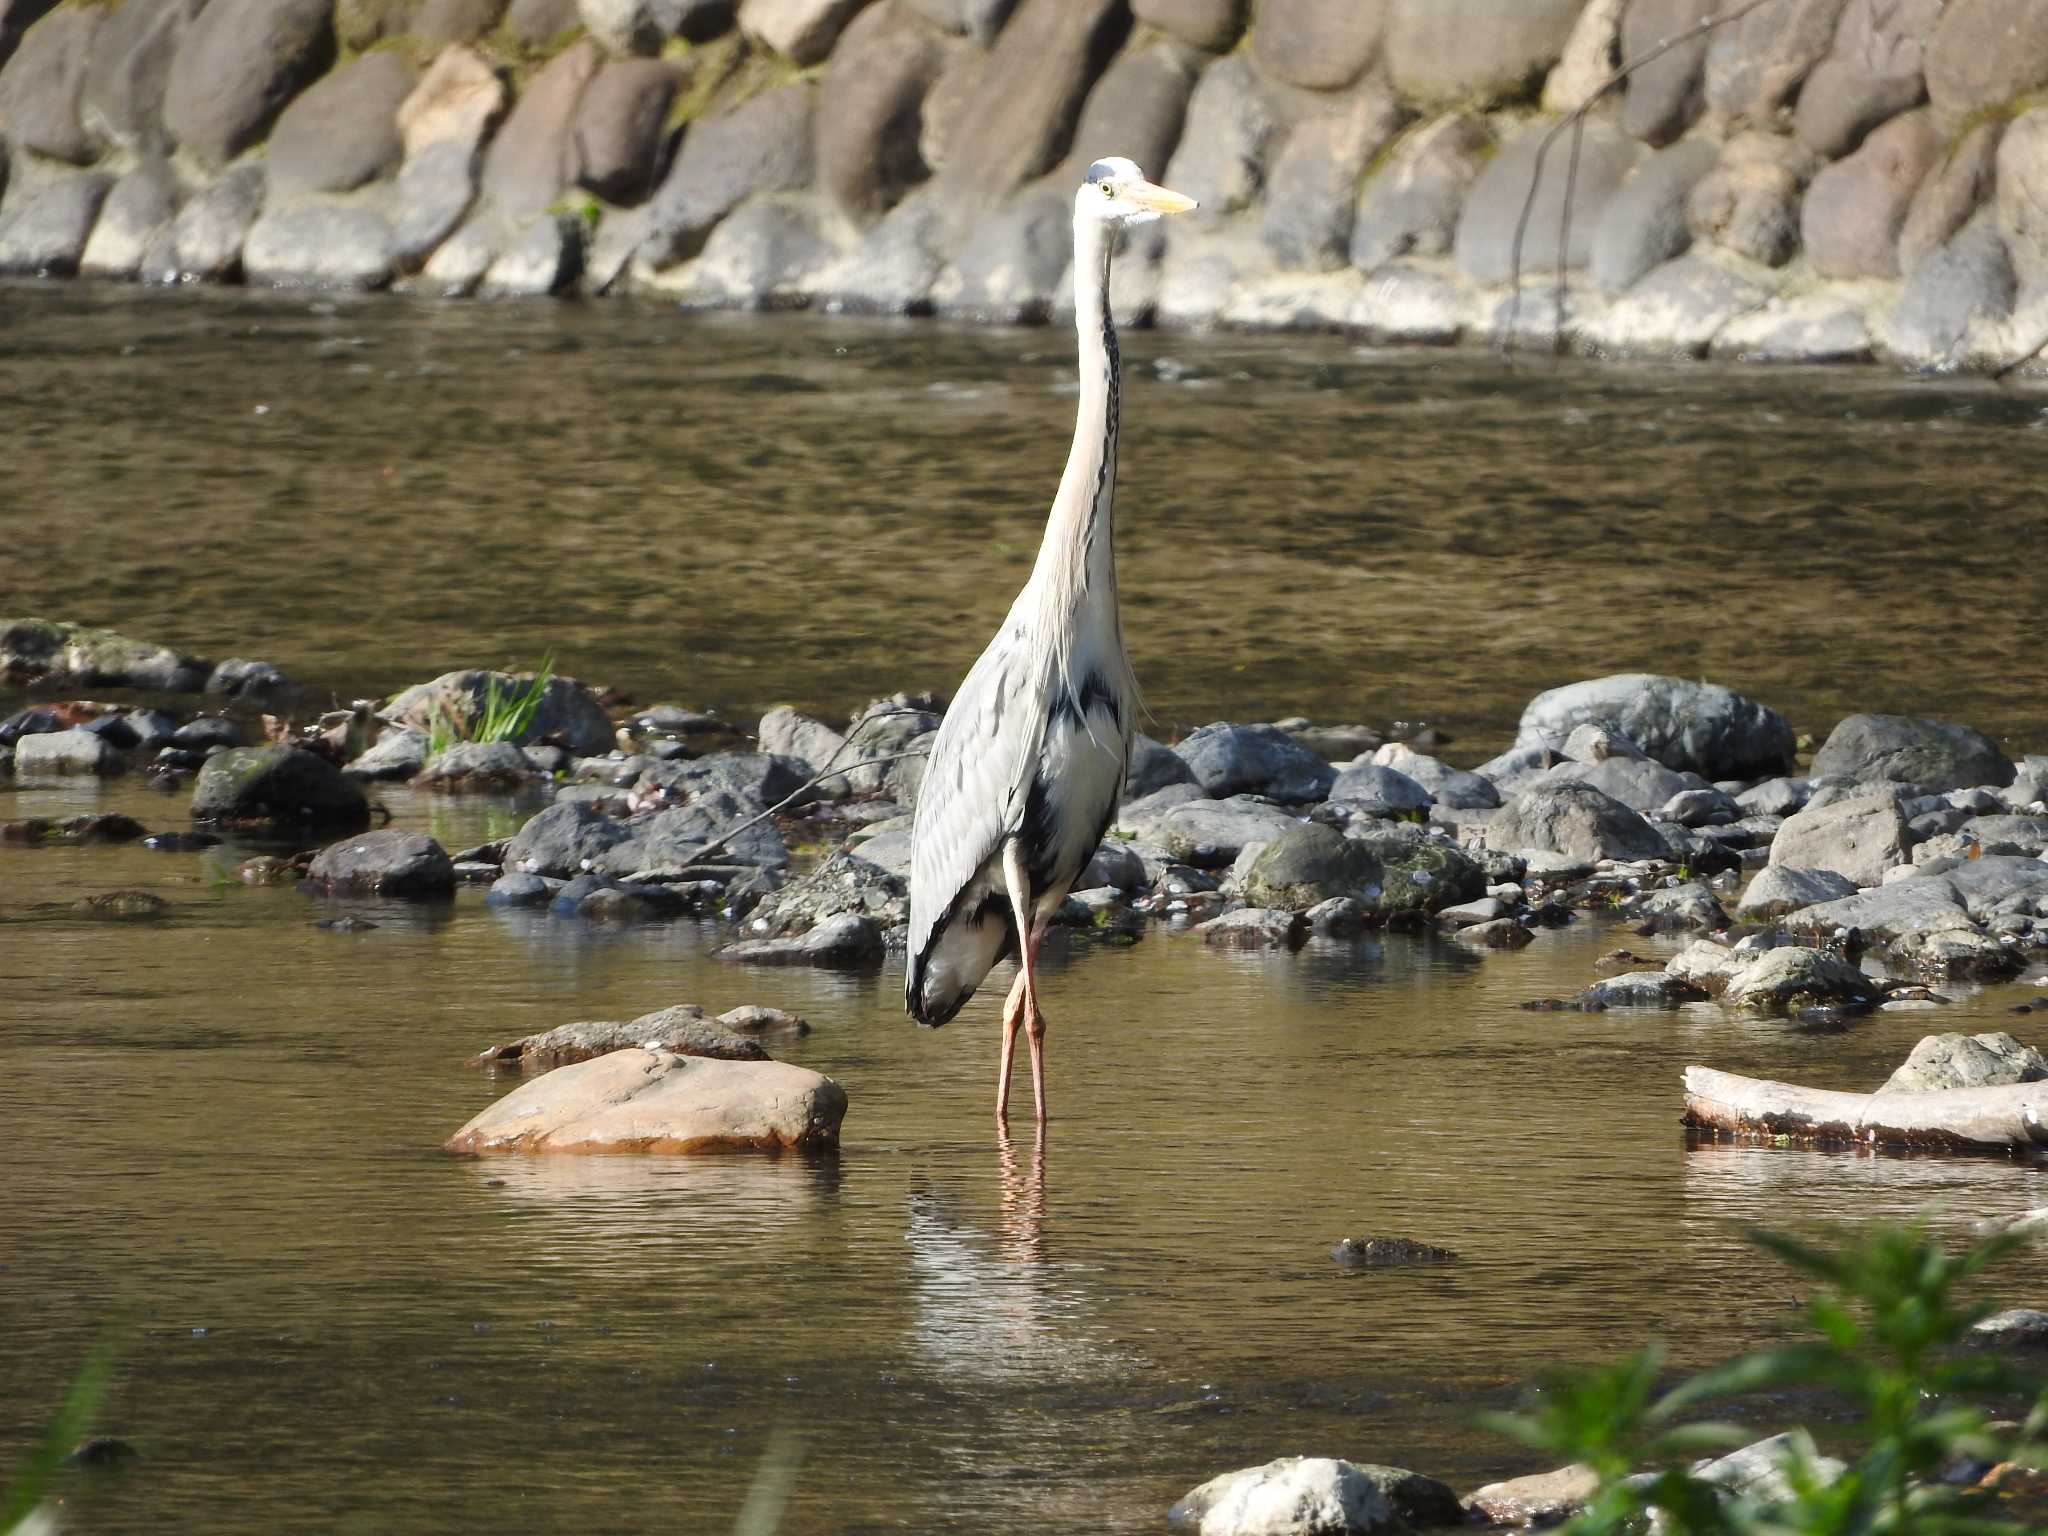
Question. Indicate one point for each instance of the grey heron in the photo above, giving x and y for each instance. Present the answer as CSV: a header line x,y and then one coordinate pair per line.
x,y
1029,761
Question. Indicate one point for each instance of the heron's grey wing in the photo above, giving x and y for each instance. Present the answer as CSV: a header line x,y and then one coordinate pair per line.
x,y
975,784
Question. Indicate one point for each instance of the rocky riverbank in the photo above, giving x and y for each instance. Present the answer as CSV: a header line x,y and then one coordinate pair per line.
x,y
1818,180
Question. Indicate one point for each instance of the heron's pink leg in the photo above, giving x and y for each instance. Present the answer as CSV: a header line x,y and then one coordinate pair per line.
x,y
1018,880
1013,1012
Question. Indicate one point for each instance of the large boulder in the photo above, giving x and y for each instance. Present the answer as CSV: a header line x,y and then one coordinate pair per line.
x,y
870,109
1645,225
122,104
1856,207
1749,202
1577,820
1210,25
237,65
2023,192
1260,759
563,841
55,654
1755,63
1312,194
1789,978
42,85
1694,727
531,160
1485,242
1293,1496
1221,159
1638,783
214,224
1135,110
1950,293
1858,836
620,128
1321,45
457,100
568,714
387,862
1961,182
343,131
280,787
1390,877
1985,53
763,145
136,216
1992,1060
319,245
1872,73
1410,208
656,1101
1933,755
1461,52
44,233
1667,92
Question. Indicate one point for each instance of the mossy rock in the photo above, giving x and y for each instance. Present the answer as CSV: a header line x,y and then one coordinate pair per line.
x,y
36,650
280,787
1389,876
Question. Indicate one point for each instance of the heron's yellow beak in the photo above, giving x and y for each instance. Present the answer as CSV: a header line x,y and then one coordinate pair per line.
x,y
1157,199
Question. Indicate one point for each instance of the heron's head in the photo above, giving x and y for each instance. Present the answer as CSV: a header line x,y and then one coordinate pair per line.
x,y
1117,194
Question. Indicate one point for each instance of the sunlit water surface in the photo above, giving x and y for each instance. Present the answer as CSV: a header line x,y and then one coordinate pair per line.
x,y
224,1127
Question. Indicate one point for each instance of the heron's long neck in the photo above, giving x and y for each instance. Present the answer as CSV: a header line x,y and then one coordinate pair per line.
x,y
1077,558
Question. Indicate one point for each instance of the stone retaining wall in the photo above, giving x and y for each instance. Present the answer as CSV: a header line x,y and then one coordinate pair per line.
x,y
1817,180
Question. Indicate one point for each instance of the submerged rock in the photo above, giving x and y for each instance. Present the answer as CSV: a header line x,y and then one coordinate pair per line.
x,y
1385,1252
1253,928
658,1101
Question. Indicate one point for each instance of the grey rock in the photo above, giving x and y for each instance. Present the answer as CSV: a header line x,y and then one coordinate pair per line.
x,y
1037,76
645,26
457,21
1484,246
1638,783
785,732
1750,202
1756,63
759,779
619,128
1379,791
541,23
1856,207
1500,933
1872,73
2015,1327
1776,796
435,189
1688,908
1666,94
1321,45
41,86
1292,1494
568,713
1821,326
213,225
123,97
869,111
77,655
1012,262
978,19
565,840
1789,978
848,939
277,786
1338,918
1312,194
1779,889
766,254
459,263
1153,766
383,863
532,159
1968,281
1135,110
75,751
1983,53
684,1029
894,268
668,843
1679,310
1221,158
343,130
541,259
44,234
1859,836
397,754
1933,755
1645,224
1448,52
1992,1060
1254,928
236,66
1961,181
521,890
318,245
1211,25
1574,819
763,145
845,882
1697,727
1640,989
1233,759
756,1019
1411,207
1390,877
138,209
1997,883
1886,913
477,765
1210,834
802,31
1758,1471
1116,864
1452,787
1701,808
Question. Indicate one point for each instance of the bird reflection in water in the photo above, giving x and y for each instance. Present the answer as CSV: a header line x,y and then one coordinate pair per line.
x,y
1022,1196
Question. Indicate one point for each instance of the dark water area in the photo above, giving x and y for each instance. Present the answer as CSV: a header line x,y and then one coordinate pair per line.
x,y
224,1126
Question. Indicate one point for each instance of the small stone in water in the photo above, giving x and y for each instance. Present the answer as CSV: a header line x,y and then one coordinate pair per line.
x,y
350,924
1376,1252
101,1451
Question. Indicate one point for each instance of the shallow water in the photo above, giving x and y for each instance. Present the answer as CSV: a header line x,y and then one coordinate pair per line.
x,y
224,1126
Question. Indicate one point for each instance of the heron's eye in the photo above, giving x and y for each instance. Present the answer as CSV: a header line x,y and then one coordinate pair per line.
x,y
1103,187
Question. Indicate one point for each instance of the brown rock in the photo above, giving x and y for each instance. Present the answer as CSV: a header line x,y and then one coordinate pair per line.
x,y
343,131
1319,44
1873,72
683,1029
1589,57
1962,180
803,31
541,23
237,65
458,98
41,86
1749,202
1228,128
2023,190
1472,52
457,21
1038,74
1543,1498
870,111
532,161
949,102
1755,65
1312,195
386,862
1666,94
657,1101
1211,25
1855,207
1984,53
619,139
123,101
762,145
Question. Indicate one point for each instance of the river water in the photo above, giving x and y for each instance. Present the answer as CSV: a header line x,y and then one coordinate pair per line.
x,y
223,1127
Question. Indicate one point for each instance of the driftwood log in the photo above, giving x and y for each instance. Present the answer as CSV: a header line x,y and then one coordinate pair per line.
x,y
1963,1119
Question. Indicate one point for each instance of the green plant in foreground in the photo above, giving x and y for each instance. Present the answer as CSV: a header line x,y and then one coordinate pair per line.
x,y
24,1494
1891,1332
506,714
